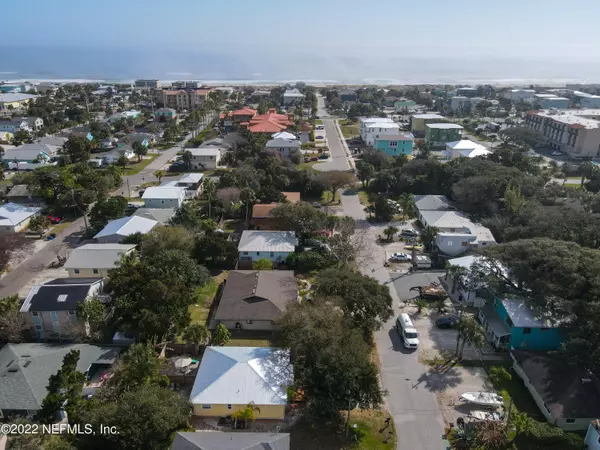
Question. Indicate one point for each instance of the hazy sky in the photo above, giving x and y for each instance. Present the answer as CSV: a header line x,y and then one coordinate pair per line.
x,y
319,39
344,27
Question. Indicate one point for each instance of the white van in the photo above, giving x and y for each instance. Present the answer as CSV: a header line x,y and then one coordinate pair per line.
x,y
407,331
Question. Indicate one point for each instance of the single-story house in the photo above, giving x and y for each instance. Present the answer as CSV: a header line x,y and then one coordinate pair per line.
x,y
115,155
254,299
208,440
108,143
30,153
50,309
161,215
163,197
15,100
205,157
568,396
28,367
20,194
465,149
117,230
143,138
15,217
262,218
432,203
510,323
229,378
273,245
95,260
283,146
83,132
53,141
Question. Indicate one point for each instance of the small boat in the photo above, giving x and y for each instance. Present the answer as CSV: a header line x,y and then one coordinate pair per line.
x,y
483,398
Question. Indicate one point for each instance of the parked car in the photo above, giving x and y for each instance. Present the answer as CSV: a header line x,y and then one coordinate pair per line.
x,y
446,321
400,257
319,137
407,232
556,153
55,219
324,156
314,158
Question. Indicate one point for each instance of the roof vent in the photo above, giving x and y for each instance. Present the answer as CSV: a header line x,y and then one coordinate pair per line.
x,y
62,297
26,363
25,356
586,380
13,369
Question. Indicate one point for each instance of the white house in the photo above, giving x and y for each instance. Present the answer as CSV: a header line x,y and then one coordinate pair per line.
x,y
283,146
292,96
467,297
205,157
272,245
95,260
15,218
465,149
371,128
520,95
592,437
163,197
117,230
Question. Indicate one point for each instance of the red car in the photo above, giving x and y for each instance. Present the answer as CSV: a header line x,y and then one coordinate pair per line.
x,y
314,158
54,219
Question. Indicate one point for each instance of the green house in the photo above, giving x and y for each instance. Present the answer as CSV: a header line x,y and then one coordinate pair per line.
x,y
438,134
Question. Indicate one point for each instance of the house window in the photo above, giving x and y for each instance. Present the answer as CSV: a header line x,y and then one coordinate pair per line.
x,y
71,312
249,322
35,313
257,253
393,143
449,243
569,420
544,329
526,330
204,406
272,254
54,316
228,406
95,270
76,270
245,253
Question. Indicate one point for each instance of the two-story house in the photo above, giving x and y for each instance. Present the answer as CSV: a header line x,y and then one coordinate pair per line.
x,y
50,309
510,323
95,260
283,146
395,144
372,128
275,246
439,134
163,197
205,158
30,124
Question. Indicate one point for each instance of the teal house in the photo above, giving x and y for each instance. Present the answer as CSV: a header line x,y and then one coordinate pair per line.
x,y
404,106
511,324
395,144
438,134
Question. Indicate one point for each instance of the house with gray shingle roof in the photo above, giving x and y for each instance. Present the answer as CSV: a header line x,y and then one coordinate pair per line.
x,y
26,368
209,440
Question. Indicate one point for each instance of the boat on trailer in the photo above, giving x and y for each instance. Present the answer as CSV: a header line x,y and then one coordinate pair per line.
x,y
483,398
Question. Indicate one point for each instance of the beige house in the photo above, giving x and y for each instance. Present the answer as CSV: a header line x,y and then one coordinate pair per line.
x,y
95,260
205,158
15,217
50,309
229,378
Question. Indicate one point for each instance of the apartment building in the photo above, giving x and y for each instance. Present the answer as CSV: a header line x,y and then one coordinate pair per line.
x,y
183,98
573,131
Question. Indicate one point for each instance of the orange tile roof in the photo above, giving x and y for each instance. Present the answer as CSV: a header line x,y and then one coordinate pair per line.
x,y
269,123
263,211
292,197
244,112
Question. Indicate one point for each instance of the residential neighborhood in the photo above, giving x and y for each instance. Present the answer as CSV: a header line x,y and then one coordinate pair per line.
x,y
301,267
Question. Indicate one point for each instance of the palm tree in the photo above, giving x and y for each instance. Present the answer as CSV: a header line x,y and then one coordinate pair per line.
x,y
159,174
421,304
521,422
469,330
407,203
390,232
209,189
249,198
187,159
429,236
370,210
247,414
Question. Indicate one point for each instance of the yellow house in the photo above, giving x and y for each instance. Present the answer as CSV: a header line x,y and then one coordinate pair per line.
x,y
229,378
15,101
95,260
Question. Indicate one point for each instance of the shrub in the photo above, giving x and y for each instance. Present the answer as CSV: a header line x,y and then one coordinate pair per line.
x,y
308,261
542,435
499,375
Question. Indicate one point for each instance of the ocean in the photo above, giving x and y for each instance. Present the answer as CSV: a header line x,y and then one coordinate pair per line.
x,y
212,67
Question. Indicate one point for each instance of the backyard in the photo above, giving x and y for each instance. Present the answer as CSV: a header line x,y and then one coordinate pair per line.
x,y
206,295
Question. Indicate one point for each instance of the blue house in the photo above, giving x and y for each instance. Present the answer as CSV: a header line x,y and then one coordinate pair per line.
x,y
395,144
509,323
275,246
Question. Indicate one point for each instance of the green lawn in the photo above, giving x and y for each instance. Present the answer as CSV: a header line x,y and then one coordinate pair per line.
x,y
522,400
306,166
349,129
326,198
206,295
138,167
318,122
363,197
57,229
572,185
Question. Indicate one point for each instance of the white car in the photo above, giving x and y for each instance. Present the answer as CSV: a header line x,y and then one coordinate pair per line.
x,y
400,257
557,153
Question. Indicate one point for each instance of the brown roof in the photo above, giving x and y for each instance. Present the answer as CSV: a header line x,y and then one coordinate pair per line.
x,y
257,294
263,211
292,197
569,392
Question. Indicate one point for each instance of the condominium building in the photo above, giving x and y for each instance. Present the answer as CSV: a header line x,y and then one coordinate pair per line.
x,y
184,98
574,131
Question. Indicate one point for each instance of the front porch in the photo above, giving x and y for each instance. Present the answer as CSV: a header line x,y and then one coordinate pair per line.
x,y
496,331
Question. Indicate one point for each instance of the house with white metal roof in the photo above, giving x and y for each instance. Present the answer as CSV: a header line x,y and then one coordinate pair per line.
x,y
272,245
15,217
292,96
163,197
205,157
229,378
95,260
465,149
117,230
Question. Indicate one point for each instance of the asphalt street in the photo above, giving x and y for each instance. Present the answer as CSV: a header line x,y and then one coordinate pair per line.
x,y
414,408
